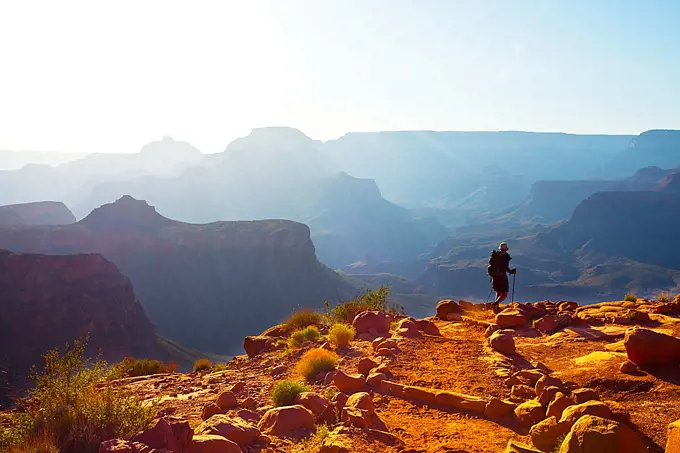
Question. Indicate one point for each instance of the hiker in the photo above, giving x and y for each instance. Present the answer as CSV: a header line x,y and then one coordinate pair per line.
x,y
499,266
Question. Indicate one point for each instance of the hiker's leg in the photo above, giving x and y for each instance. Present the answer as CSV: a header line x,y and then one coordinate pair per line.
x,y
502,296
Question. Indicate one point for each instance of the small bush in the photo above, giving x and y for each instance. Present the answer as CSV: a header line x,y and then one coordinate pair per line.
x,y
370,300
284,392
341,334
309,333
130,367
220,367
630,297
202,365
315,442
315,361
303,318
68,409
677,299
664,297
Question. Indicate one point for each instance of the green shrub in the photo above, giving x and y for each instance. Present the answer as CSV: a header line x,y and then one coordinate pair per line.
x,y
664,297
630,297
202,365
220,367
371,300
130,367
309,333
341,334
315,361
68,409
303,318
284,392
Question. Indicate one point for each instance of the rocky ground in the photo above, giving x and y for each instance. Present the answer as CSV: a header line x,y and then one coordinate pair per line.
x,y
537,377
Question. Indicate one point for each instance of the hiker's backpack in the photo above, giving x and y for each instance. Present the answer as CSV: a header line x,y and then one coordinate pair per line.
x,y
492,269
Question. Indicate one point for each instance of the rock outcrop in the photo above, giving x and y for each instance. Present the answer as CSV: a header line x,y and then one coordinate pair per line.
x,y
46,301
37,213
203,286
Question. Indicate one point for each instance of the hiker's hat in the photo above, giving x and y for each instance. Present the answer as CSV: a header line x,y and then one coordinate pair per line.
x,y
503,244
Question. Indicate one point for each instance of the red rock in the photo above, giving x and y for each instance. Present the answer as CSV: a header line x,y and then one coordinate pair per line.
x,y
237,388
547,381
122,446
502,343
548,395
167,434
232,428
209,410
361,400
645,346
511,319
408,328
461,402
285,419
546,324
521,392
545,434
384,352
226,400
276,331
584,394
248,403
673,439
374,379
312,401
497,409
597,408
428,327
213,444
349,383
592,434
446,307
255,345
248,415
369,321
557,406
529,413
366,365
568,306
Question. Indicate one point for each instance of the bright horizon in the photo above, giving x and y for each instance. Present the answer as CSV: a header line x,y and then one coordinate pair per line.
x,y
87,77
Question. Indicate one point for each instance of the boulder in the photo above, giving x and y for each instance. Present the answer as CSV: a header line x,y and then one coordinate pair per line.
x,y
167,434
372,321
256,344
281,330
248,403
546,324
361,400
628,367
597,408
585,394
547,381
592,434
209,410
226,400
408,328
511,318
248,415
567,306
233,428
502,343
673,440
366,365
359,411
645,346
428,327
521,392
491,329
238,387
497,409
557,406
349,383
529,413
446,307
374,379
312,401
547,395
461,402
545,434
286,419
527,377
210,443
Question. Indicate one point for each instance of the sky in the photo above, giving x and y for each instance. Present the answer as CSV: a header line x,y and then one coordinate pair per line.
x,y
90,76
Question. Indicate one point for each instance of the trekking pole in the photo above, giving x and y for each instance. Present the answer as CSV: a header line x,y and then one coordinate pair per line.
x,y
514,276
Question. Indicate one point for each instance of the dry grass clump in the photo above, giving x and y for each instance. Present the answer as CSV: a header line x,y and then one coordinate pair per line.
x,y
298,338
202,365
316,361
341,334
284,392
303,318
630,297
370,300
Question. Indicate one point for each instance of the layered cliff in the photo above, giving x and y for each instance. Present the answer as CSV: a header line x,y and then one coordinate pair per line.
x,y
38,213
203,285
46,301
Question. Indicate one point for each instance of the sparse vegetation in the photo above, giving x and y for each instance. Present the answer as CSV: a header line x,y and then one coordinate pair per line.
x,y
202,365
330,392
67,411
370,300
341,334
130,367
303,318
315,442
676,300
630,297
664,296
284,392
220,367
309,333
315,361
